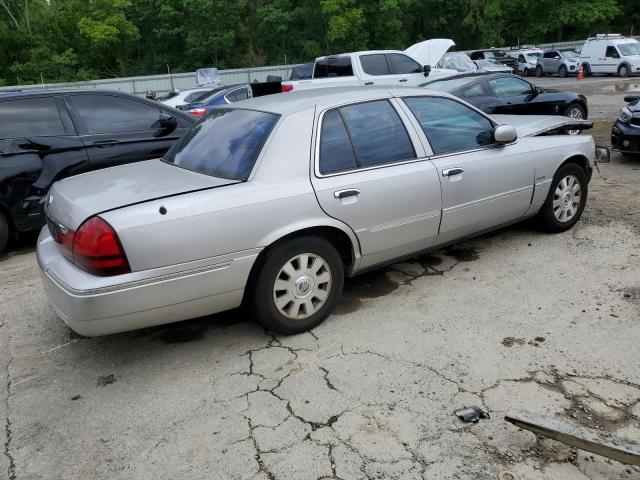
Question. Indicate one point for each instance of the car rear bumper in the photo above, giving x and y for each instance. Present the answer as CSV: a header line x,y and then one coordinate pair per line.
x,y
625,137
129,304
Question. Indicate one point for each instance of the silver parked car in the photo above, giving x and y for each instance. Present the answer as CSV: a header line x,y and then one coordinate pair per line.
x,y
563,62
272,201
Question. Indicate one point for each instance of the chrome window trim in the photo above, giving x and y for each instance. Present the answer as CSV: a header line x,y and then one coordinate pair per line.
x,y
316,162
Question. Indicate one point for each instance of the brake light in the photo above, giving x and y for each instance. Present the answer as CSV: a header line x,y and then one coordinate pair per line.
x,y
97,249
198,112
286,88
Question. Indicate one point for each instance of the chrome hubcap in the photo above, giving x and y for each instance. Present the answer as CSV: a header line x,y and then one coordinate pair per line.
x,y
302,286
566,198
575,112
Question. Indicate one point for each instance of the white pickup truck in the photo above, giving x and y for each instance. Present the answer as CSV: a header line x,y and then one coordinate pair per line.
x,y
378,67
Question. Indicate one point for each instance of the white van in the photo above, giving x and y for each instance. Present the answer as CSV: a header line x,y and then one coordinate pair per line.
x,y
611,53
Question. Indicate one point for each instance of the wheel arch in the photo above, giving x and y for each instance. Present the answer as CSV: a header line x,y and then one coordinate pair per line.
x,y
339,235
624,64
581,160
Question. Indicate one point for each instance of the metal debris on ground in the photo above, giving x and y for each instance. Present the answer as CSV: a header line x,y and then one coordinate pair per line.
x,y
471,414
567,434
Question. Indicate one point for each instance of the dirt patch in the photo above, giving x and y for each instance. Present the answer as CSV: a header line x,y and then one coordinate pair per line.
x,y
511,341
462,254
105,380
369,285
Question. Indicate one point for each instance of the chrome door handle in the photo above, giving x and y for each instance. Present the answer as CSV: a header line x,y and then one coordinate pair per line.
x,y
350,192
368,83
402,80
452,171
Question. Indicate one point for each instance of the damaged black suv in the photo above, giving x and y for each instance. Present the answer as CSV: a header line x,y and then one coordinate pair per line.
x,y
46,135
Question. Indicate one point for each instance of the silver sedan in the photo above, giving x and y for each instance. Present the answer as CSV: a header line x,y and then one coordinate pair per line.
x,y
271,202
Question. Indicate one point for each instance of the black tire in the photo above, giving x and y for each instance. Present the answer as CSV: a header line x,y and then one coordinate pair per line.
x,y
572,106
562,71
623,70
539,72
260,298
4,232
526,72
587,70
546,216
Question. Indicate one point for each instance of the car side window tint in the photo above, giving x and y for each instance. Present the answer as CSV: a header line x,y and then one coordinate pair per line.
x,y
548,55
378,135
450,126
111,114
403,64
475,91
336,151
503,86
521,59
374,64
241,94
29,117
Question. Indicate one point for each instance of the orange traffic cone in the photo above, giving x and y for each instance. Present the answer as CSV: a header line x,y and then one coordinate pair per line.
x,y
581,72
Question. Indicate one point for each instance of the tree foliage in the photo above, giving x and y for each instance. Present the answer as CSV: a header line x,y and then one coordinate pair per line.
x,y
66,40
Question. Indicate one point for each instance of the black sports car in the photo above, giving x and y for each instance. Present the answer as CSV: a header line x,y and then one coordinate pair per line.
x,y
505,93
46,135
625,134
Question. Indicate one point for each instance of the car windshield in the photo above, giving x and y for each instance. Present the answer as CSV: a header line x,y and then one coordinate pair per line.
x,y
532,57
447,85
168,95
458,61
629,48
225,143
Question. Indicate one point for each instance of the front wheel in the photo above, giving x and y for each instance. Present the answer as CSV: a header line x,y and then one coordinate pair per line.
x,y
623,71
566,199
539,72
4,232
563,71
298,285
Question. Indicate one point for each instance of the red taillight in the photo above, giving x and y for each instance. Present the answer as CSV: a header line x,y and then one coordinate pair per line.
x,y
286,88
97,249
198,112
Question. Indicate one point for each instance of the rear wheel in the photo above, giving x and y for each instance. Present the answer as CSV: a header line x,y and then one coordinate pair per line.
x,y
623,70
298,285
587,70
526,72
562,71
566,199
539,72
575,110
4,232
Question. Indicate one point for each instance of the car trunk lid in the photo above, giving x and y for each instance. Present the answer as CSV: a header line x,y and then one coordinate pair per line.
x,y
72,200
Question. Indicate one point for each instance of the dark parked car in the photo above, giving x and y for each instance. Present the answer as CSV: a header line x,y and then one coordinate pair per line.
x,y
494,54
220,96
504,93
46,135
625,134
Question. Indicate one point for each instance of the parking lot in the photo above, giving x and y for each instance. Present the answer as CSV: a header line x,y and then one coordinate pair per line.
x,y
515,321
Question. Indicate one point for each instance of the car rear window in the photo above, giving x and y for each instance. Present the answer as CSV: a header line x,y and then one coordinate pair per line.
x,y
333,67
225,143
447,85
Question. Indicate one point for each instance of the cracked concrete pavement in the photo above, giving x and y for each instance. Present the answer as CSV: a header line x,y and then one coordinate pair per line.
x,y
514,321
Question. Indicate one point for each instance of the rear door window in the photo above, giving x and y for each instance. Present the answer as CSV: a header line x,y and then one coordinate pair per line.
x,y
30,117
449,125
374,64
333,67
225,143
336,150
401,64
363,135
611,53
475,91
111,114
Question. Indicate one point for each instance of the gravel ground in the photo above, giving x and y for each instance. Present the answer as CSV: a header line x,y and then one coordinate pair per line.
x,y
515,321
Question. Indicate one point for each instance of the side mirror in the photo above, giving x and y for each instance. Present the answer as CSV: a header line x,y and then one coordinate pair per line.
x,y
632,98
165,124
427,70
504,134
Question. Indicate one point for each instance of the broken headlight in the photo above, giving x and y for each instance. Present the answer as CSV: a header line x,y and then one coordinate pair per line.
x,y
625,115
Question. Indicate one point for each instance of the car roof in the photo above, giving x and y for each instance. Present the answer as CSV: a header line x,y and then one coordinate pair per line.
x,y
321,98
40,92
